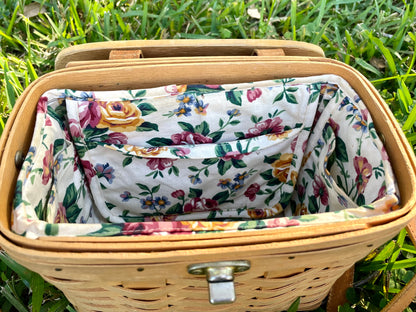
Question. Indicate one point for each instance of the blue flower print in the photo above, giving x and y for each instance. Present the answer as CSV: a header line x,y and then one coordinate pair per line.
x,y
87,96
237,186
186,99
361,123
32,150
182,110
234,112
342,201
57,162
224,183
240,177
126,196
195,179
162,202
147,203
345,101
201,108
105,171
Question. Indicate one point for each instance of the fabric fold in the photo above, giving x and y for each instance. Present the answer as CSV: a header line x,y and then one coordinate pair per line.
x,y
198,158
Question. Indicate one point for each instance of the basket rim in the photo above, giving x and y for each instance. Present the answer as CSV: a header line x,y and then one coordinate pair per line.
x,y
94,243
366,236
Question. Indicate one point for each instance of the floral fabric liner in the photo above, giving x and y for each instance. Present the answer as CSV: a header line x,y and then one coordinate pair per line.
x,y
198,158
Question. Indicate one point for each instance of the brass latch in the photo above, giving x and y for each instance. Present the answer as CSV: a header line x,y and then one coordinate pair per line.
x,y
220,277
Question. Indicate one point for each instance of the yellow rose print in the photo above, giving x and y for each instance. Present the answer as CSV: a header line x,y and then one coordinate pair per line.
x,y
120,116
301,209
281,167
145,151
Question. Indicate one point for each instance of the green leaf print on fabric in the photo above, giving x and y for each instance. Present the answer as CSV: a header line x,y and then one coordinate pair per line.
x,y
18,193
234,96
146,108
58,146
159,142
70,203
147,126
40,211
108,230
195,193
252,225
51,229
341,150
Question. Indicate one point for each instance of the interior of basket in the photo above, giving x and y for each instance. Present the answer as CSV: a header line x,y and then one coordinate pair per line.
x,y
196,158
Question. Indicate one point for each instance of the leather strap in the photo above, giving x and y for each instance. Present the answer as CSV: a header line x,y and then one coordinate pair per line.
x,y
400,302
125,54
268,52
338,294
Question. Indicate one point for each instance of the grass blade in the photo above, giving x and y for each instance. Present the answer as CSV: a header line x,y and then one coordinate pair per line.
x,y
10,94
406,101
294,306
37,284
13,20
293,16
7,292
144,21
24,273
368,66
386,53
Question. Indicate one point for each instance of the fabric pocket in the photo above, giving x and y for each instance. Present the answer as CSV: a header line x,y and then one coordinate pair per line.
x,y
236,180
212,152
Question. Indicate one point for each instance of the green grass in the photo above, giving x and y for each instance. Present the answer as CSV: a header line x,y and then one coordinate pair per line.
x,y
376,37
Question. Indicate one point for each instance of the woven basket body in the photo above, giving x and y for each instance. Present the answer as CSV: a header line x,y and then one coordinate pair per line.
x,y
149,273
279,274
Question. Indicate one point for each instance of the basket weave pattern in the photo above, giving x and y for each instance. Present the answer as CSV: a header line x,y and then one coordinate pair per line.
x,y
254,291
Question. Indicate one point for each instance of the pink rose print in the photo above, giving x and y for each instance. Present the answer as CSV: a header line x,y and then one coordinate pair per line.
x,y
382,192
61,214
282,222
334,126
42,105
47,165
200,204
253,94
89,114
160,163
42,108
187,137
75,129
252,191
89,170
133,228
232,155
384,154
320,190
266,126
180,194
116,138
364,172
181,151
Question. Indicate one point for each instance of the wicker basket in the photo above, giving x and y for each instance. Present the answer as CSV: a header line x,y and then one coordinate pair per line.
x,y
152,273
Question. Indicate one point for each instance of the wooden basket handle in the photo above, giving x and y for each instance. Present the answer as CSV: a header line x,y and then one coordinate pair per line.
x,y
400,302
187,48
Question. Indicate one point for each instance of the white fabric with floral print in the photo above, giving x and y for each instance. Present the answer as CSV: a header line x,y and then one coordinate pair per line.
x,y
197,158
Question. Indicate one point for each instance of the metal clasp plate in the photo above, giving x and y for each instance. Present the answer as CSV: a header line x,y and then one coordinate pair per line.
x,y
220,277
